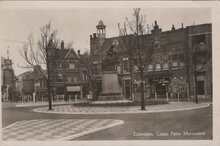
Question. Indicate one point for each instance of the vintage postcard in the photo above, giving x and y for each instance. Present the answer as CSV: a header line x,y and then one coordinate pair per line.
x,y
109,73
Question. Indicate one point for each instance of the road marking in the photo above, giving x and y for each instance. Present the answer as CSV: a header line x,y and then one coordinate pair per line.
x,y
53,130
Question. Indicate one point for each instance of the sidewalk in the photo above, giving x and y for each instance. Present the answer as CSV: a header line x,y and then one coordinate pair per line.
x,y
70,109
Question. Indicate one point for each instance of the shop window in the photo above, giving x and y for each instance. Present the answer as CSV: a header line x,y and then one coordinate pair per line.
x,y
175,65
158,67
150,67
166,66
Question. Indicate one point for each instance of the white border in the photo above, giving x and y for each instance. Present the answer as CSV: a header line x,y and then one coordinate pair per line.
x,y
215,5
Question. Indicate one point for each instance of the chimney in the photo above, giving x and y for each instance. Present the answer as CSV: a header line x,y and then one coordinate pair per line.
x,y
90,36
182,25
62,44
173,28
94,35
78,52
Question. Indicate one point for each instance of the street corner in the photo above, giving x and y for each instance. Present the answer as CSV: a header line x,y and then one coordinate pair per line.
x,y
70,109
55,130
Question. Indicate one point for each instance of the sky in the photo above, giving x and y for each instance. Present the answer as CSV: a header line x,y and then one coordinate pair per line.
x,y
76,25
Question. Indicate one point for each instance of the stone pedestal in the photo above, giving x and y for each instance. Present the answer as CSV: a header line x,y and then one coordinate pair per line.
x,y
110,86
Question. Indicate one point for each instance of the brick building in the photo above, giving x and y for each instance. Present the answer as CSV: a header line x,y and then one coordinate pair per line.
x,y
69,77
172,70
31,86
7,79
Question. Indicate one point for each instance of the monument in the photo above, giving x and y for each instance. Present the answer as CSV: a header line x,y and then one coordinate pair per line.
x,y
110,82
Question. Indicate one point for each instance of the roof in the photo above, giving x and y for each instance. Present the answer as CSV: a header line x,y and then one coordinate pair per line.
x,y
101,24
64,54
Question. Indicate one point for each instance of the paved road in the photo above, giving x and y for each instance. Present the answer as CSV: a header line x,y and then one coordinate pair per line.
x,y
138,126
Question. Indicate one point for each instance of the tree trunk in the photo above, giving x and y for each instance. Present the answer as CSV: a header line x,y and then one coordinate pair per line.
x,y
131,73
196,97
48,79
49,95
142,90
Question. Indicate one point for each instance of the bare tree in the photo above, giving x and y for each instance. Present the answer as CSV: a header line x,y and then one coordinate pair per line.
x,y
139,50
39,56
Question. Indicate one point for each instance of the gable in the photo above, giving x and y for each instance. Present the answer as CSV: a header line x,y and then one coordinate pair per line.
x,y
72,55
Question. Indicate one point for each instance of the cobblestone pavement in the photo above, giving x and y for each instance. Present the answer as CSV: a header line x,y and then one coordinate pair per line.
x,y
50,130
70,109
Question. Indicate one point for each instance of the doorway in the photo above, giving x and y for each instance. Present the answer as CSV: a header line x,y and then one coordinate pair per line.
x,y
200,88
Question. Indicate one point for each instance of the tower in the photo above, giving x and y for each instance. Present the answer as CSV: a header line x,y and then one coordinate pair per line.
x,y
101,32
97,39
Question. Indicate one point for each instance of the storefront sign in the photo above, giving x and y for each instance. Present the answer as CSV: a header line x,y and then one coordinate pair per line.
x,y
73,88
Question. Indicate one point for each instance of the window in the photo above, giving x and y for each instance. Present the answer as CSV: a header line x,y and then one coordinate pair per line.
x,y
174,57
125,64
182,64
166,66
84,75
165,57
175,65
181,57
135,68
115,43
95,68
60,76
158,67
119,69
72,79
156,45
72,66
150,67
199,39
59,65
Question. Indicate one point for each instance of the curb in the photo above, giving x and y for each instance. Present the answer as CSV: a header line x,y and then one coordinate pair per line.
x,y
127,112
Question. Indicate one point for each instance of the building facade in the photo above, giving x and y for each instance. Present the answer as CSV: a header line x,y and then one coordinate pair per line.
x,y
69,77
7,80
173,67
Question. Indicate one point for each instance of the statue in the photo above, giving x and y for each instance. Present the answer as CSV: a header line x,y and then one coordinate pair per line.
x,y
108,64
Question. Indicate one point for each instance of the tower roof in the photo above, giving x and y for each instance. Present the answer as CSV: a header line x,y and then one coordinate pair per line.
x,y
101,24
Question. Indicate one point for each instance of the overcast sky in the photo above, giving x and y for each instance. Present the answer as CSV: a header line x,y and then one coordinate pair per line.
x,y
77,24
